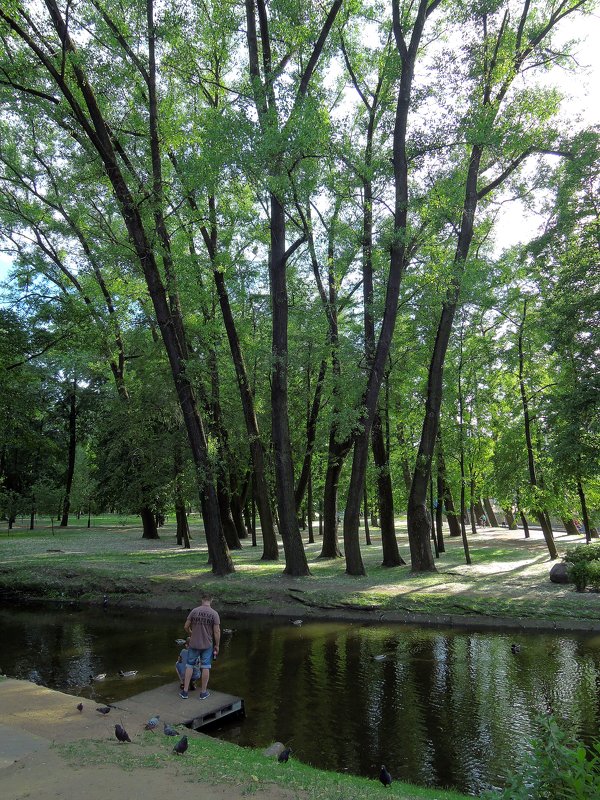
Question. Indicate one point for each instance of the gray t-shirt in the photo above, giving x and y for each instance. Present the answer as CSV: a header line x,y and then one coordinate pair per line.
x,y
202,620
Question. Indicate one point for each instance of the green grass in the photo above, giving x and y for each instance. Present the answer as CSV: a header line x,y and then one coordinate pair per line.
x,y
211,761
508,576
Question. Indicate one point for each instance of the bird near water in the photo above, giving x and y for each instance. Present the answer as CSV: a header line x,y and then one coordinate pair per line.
x,y
99,677
103,709
296,622
515,648
128,674
284,756
121,733
385,777
180,641
181,746
152,723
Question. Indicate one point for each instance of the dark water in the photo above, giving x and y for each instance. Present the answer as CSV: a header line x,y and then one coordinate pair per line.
x,y
444,708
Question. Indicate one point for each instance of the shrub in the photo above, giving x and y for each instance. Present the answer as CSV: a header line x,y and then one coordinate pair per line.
x,y
579,574
556,769
583,553
593,569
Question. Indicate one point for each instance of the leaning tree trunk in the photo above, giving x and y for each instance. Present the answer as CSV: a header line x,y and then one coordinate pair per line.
x,y
584,511
524,523
77,91
491,514
479,509
570,527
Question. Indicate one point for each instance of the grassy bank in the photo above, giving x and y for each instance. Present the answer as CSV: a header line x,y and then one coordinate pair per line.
x,y
508,578
248,770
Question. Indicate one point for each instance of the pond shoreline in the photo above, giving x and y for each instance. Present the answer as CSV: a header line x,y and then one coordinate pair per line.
x,y
306,613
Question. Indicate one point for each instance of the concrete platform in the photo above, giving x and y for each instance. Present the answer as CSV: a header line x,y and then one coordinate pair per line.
x,y
194,713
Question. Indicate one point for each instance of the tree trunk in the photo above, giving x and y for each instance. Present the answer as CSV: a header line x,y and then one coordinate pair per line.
x,y
399,256
330,547
237,509
584,511
311,432
439,511
168,313
491,514
229,529
366,516
510,519
524,523
451,516
309,503
389,543
257,453
295,557
406,475
71,455
150,530
479,511
540,512
472,518
183,528
570,526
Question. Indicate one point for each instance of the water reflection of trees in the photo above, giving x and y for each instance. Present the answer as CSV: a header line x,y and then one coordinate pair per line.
x,y
443,708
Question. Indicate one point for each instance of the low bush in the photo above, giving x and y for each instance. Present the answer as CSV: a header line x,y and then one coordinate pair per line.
x,y
583,553
557,768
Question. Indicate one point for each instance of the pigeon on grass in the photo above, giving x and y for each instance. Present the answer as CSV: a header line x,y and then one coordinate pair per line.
x,y
121,733
385,777
284,756
181,746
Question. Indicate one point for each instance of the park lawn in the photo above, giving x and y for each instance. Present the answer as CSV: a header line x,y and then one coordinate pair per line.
x,y
507,579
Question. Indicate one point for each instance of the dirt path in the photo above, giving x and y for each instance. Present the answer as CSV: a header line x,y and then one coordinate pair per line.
x,y
35,720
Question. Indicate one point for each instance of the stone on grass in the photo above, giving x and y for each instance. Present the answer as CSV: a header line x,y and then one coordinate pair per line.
x,y
560,573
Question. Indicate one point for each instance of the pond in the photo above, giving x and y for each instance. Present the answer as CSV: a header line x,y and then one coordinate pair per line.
x,y
439,707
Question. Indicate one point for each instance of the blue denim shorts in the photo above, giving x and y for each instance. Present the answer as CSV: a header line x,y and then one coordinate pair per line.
x,y
181,670
203,658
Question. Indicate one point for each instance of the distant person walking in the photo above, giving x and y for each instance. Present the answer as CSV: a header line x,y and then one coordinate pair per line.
x,y
204,628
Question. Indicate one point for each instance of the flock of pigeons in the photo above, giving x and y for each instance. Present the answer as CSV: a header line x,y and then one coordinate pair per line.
x,y
122,735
